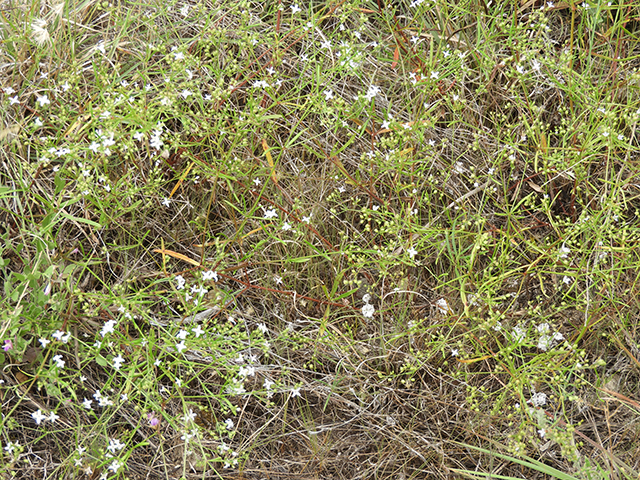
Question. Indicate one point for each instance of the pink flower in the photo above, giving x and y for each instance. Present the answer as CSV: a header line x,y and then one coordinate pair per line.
x,y
8,345
153,420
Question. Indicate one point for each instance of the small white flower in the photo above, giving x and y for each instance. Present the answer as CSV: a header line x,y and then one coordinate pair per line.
x,y
229,424
435,75
564,252
180,346
412,252
108,327
181,282
43,100
270,213
115,466
372,92
328,94
368,310
197,331
115,445
263,328
518,334
117,362
10,447
295,392
87,404
189,417
38,416
53,417
182,334
210,275
59,361
166,202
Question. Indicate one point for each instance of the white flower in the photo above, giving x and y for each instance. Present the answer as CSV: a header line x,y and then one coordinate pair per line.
x,y
87,404
115,445
295,392
229,424
435,75
43,100
117,362
286,226
166,202
60,335
189,417
412,252
59,361
295,9
180,346
53,416
104,401
115,466
518,334
38,416
564,252
197,331
209,275
263,328
10,447
271,213
368,310
328,94
181,282
372,92
182,334
108,327
186,93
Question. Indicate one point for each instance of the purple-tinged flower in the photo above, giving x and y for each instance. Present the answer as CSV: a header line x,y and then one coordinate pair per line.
x,y
8,345
153,420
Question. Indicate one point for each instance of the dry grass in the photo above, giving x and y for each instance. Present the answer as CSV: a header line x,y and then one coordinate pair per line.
x,y
483,200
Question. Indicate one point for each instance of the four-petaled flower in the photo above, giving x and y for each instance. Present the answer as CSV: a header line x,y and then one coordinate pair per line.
x,y
38,416
117,362
59,361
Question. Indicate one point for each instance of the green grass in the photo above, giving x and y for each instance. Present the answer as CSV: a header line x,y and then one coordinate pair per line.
x,y
320,240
